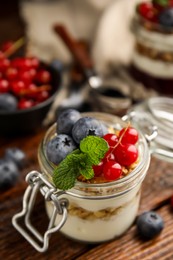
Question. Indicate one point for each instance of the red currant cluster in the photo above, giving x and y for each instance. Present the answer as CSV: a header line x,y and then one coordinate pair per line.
x,y
24,77
157,11
122,153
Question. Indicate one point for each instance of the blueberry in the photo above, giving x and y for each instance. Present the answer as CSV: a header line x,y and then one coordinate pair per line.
x,y
86,126
16,155
59,147
166,17
66,121
8,173
8,102
56,65
149,224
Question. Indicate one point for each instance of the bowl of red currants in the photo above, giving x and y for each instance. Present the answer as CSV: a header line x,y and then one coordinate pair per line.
x,y
28,88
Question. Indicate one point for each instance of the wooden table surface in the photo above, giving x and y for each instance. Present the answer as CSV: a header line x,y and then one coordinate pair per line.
x,y
156,192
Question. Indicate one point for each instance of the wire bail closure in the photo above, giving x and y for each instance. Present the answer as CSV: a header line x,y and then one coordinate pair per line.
x,y
37,182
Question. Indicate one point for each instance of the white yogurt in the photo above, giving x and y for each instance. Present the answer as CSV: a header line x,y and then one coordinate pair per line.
x,y
105,227
152,67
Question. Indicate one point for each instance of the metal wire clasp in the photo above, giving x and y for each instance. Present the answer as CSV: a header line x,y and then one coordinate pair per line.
x,y
37,182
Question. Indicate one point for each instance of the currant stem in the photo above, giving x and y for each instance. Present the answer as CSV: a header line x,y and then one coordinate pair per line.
x,y
17,45
119,141
36,90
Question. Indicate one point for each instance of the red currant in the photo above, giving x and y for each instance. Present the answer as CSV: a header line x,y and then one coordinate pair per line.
x,y
111,139
25,103
2,55
32,91
109,156
98,169
4,64
6,46
22,63
17,87
11,73
4,86
43,77
25,76
147,11
42,96
128,135
112,170
126,154
33,73
34,63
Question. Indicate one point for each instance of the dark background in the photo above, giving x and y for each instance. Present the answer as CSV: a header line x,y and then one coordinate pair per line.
x,y
11,24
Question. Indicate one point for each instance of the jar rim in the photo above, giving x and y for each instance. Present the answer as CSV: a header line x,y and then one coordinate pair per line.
x,y
142,143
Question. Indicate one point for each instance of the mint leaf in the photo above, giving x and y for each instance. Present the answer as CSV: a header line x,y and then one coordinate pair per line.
x,y
65,174
92,150
95,147
87,172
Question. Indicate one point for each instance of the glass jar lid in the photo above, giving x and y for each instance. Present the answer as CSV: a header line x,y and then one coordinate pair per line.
x,y
156,111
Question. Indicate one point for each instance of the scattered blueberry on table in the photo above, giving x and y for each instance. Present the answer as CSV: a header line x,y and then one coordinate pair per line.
x,y
149,225
10,166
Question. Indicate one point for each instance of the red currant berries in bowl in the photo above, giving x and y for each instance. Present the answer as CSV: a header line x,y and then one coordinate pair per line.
x,y
28,88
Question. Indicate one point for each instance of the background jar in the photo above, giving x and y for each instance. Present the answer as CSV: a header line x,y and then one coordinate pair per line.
x,y
100,212
152,59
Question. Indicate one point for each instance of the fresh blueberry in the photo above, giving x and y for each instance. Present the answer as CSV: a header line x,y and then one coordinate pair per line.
x,y
66,121
59,147
166,17
8,102
8,173
86,126
56,65
149,224
16,155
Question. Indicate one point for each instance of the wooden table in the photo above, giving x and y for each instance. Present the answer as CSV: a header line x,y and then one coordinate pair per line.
x,y
156,193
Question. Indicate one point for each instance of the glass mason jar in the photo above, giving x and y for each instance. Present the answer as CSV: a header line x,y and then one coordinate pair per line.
x,y
152,59
89,213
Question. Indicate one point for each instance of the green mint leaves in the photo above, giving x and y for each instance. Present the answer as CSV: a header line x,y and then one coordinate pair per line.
x,y
94,147
80,162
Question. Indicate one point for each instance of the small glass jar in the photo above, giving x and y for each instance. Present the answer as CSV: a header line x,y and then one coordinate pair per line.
x,y
100,212
91,213
152,59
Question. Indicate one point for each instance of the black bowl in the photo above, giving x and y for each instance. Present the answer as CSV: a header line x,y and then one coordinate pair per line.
x,y
30,120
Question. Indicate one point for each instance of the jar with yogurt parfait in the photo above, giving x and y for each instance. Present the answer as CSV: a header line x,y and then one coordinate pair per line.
x,y
96,204
152,59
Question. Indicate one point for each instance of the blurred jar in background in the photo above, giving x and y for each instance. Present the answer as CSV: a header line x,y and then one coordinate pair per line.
x,y
152,61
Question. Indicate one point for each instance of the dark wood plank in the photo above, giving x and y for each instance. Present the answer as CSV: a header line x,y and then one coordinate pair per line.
x,y
131,247
158,184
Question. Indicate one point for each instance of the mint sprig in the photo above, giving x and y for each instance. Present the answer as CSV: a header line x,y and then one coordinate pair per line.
x,y
80,162
94,147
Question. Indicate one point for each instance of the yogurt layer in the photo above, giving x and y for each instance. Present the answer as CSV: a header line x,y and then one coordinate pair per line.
x,y
156,68
104,219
